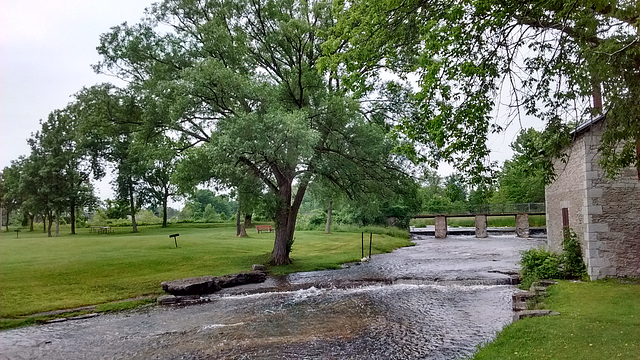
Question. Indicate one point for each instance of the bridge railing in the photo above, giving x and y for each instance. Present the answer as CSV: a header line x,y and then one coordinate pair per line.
x,y
488,209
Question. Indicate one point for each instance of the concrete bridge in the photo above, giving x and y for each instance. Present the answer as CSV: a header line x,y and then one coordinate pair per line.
x,y
521,213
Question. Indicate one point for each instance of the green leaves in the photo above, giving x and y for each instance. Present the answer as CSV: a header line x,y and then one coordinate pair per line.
x,y
546,55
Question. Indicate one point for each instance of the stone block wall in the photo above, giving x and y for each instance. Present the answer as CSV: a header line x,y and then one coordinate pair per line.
x,y
567,191
604,213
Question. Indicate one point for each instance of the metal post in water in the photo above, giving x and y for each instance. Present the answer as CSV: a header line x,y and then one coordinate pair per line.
x,y
370,237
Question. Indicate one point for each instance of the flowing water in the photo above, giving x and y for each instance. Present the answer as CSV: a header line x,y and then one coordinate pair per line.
x,y
439,299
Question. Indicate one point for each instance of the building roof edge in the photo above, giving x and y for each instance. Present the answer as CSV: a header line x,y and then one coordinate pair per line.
x,y
585,126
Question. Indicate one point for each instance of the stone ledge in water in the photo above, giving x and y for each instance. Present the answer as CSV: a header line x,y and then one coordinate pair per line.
x,y
210,284
533,313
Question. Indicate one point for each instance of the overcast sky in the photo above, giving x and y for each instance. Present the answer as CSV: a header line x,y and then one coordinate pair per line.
x,y
46,51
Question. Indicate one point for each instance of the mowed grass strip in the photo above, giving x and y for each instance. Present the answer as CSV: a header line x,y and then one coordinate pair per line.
x,y
40,274
598,320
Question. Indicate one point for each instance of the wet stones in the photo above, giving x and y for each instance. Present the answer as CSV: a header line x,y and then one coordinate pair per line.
x,y
168,300
78,317
525,302
533,313
258,267
192,286
210,284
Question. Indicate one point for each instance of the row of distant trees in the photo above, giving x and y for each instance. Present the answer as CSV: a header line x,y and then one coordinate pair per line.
x,y
520,180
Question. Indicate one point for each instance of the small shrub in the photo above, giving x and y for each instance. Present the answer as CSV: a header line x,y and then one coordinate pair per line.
x,y
317,218
544,264
290,244
539,264
573,266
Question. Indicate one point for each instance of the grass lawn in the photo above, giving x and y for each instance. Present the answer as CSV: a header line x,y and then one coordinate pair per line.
x,y
39,274
598,320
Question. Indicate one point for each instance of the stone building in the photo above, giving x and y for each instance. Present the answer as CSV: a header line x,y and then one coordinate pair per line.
x,y
605,214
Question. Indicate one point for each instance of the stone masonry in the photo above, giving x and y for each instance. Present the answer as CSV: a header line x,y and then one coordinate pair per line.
x,y
522,225
604,213
441,227
481,226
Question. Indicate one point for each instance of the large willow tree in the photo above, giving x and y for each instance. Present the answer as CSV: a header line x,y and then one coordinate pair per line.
x,y
239,81
550,56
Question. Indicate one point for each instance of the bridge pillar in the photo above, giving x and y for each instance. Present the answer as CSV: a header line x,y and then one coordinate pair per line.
x,y
481,226
441,227
522,225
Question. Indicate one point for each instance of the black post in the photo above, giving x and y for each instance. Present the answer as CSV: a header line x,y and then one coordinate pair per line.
x,y
17,231
175,238
370,237
362,245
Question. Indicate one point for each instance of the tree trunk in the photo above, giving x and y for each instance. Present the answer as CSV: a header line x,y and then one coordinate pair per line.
x,y
280,255
281,250
238,229
44,222
50,218
285,218
133,208
241,230
165,200
327,229
57,224
31,217
73,217
245,225
247,221
6,224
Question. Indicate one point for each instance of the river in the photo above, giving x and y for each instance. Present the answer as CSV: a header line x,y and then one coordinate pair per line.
x,y
439,299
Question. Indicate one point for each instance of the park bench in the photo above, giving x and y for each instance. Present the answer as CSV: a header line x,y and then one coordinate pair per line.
x,y
95,228
264,228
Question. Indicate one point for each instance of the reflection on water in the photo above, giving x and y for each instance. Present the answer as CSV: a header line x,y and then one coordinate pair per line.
x,y
417,303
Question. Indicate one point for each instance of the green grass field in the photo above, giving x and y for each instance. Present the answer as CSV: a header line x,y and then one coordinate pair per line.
x,y
598,320
40,274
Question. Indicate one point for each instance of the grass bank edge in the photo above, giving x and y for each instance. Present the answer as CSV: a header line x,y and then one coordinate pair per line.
x,y
598,320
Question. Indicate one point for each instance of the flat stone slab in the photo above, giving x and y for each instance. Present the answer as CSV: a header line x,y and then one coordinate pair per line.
x,y
168,300
210,284
520,306
533,313
524,295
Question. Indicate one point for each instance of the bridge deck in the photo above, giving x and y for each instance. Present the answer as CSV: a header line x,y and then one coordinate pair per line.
x,y
486,209
428,216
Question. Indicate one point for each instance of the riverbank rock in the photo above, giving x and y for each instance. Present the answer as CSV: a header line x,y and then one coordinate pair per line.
x,y
533,313
258,267
210,284
525,301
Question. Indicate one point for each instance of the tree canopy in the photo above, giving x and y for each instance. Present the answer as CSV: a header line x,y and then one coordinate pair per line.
x,y
239,80
550,57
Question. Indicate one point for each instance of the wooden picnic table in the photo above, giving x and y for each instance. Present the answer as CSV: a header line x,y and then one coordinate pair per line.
x,y
101,229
